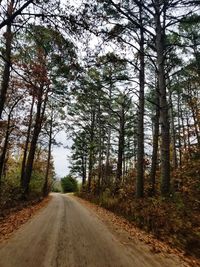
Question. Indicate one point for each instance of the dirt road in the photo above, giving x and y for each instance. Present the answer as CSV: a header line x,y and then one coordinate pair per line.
x,y
66,234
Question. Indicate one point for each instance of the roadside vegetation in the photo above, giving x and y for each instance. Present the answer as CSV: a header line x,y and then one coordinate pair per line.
x,y
69,184
174,220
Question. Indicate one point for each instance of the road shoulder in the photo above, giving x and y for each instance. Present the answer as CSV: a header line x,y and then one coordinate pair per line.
x,y
12,222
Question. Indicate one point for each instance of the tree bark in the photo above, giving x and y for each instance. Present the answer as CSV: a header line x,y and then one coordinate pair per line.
x,y
6,141
7,58
5,146
188,146
164,117
100,149
179,131
27,141
107,167
83,166
120,149
195,125
174,155
155,145
140,125
46,183
33,144
91,150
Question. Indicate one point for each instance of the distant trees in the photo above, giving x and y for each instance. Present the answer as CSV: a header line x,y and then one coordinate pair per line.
x,y
100,109
69,184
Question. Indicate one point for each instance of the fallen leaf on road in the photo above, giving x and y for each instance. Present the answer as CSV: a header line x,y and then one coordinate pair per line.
x,y
155,245
14,220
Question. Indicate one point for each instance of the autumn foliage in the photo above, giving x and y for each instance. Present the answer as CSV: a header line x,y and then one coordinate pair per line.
x,y
174,220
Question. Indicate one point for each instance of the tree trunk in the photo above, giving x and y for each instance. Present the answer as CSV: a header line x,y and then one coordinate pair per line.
x,y
33,144
7,58
155,146
27,141
135,143
174,155
195,125
164,117
5,146
120,149
91,150
6,141
179,131
46,183
140,129
183,129
188,136
107,166
100,170
83,166
99,181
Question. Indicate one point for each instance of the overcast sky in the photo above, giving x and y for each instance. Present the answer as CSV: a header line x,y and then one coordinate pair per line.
x,y
61,154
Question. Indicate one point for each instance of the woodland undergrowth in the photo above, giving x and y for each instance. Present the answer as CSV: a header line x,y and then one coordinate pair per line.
x,y
174,220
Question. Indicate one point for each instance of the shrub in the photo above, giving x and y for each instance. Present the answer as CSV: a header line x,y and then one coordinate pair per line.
x,y
69,184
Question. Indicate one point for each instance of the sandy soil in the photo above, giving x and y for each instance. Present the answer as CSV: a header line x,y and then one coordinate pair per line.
x,y
67,234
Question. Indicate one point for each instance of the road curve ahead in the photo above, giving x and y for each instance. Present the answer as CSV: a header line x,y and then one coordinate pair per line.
x,y
66,234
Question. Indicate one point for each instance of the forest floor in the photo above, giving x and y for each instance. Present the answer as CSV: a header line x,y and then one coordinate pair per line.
x,y
12,218
72,232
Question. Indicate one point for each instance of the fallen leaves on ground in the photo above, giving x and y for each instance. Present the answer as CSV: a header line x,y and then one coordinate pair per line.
x,y
155,245
14,220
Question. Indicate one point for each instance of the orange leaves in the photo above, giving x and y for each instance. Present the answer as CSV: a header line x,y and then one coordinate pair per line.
x,y
174,221
118,224
13,221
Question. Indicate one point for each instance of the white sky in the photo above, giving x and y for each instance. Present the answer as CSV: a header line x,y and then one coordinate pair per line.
x,y
61,154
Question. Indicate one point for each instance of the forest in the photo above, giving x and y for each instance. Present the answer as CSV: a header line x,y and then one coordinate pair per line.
x,y
122,79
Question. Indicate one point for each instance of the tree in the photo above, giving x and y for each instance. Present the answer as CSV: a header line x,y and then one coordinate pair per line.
x,y
9,128
7,58
135,28
103,110
52,126
11,16
79,157
10,19
86,106
69,184
46,48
